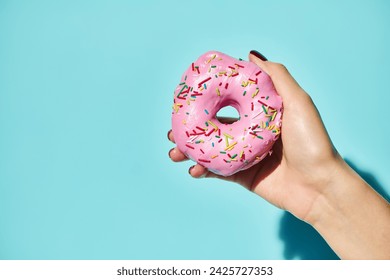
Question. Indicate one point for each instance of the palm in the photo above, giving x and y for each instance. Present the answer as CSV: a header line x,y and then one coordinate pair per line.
x,y
284,178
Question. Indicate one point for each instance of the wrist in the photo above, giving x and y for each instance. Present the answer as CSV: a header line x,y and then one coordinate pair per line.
x,y
351,216
330,192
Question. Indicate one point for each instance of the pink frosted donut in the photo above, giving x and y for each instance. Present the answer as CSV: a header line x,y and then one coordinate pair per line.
x,y
215,81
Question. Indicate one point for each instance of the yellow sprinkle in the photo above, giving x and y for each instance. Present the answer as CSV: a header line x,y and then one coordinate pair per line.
x,y
243,138
188,101
214,156
213,125
227,141
256,92
258,158
242,152
218,92
246,146
211,58
176,107
274,115
184,121
231,146
228,135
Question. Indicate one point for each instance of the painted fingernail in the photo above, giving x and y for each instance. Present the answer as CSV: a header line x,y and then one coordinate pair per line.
x,y
258,55
169,153
189,170
168,134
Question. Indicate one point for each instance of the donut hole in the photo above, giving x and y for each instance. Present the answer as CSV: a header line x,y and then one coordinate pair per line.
x,y
227,115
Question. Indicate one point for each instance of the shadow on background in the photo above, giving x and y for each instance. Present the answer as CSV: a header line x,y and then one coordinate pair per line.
x,y
303,242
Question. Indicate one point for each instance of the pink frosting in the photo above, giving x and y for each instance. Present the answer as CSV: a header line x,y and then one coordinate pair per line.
x,y
212,82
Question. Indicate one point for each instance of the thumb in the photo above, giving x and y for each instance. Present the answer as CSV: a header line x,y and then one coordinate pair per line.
x,y
284,83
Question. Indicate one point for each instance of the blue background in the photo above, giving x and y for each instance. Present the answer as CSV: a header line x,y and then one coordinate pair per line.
x,y
86,91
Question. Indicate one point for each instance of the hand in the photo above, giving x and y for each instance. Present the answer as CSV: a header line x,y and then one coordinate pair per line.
x,y
306,176
303,159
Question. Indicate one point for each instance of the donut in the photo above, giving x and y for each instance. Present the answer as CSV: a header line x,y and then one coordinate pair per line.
x,y
214,81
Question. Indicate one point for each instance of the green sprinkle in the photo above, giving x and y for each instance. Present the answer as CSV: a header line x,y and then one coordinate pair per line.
x,y
181,83
265,110
197,142
207,112
222,152
244,93
185,78
240,59
213,66
267,97
212,144
216,136
183,88
258,136
206,123
246,116
233,156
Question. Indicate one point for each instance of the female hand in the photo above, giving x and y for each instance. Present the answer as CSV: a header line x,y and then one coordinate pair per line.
x,y
306,176
303,159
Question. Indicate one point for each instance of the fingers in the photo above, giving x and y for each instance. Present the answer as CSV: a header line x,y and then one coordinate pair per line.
x,y
284,83
170,136
176,155
199,171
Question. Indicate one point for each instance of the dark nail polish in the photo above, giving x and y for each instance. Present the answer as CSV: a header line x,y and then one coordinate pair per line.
x,y
189,170
258,55
168,134
169,153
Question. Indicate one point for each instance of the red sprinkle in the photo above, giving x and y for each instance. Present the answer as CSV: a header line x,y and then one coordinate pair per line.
x,y
203,160
209,133
202,151
190,146
252,106
193,69
235,74
200,128
239,65
202,82
188,135
265,104
219,141
255,81
231,67
258,73
226,86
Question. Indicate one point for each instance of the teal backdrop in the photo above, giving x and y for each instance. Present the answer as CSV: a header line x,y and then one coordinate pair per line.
x,y
86,91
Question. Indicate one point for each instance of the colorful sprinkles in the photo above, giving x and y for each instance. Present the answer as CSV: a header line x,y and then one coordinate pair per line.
x,y
205,138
